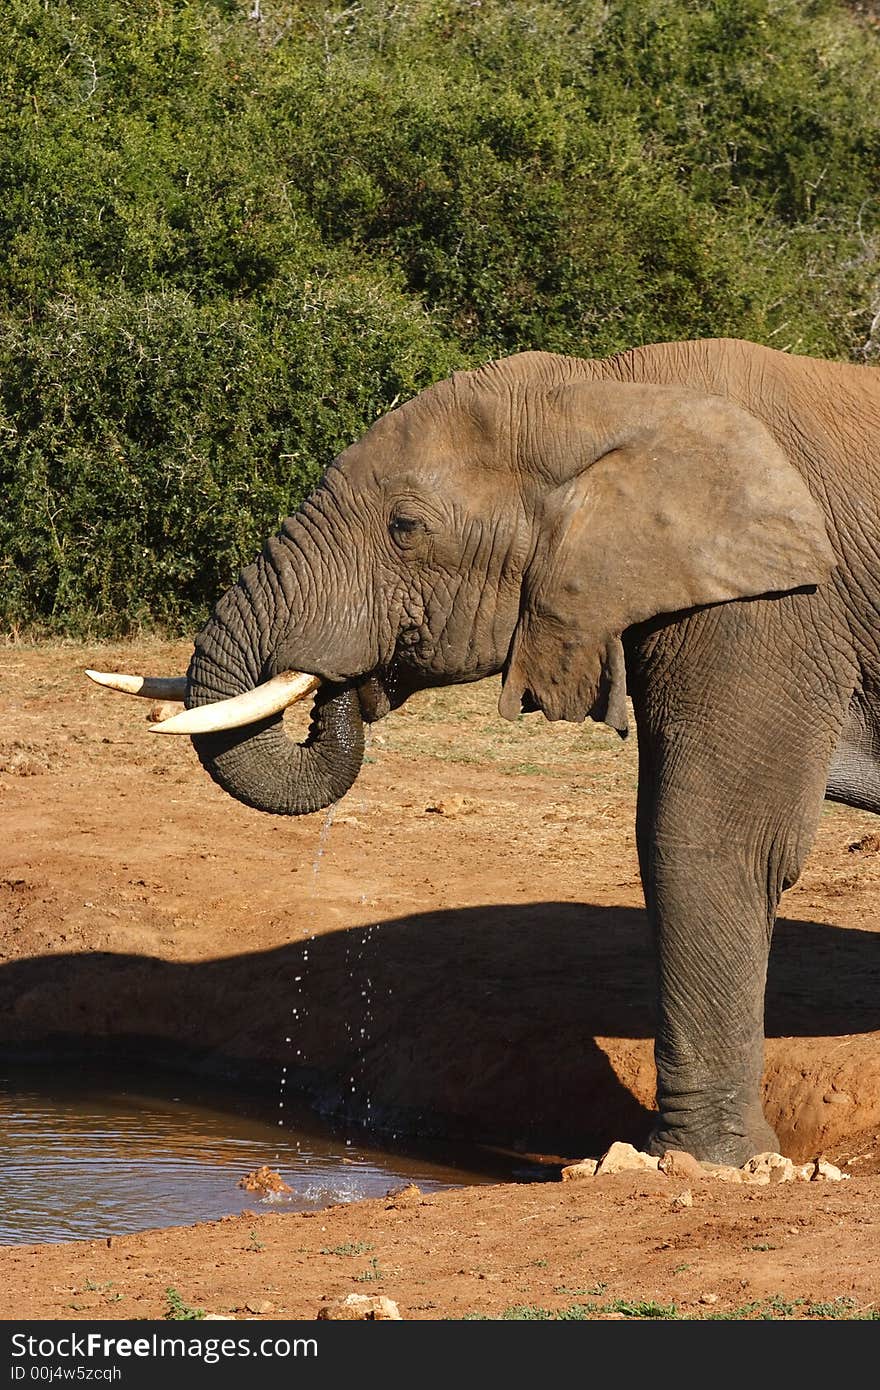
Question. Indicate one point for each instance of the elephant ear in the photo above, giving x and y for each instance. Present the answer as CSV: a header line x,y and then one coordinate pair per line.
x,y
652,500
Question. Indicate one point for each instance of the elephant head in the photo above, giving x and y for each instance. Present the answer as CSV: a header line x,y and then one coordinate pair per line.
x,y
516,519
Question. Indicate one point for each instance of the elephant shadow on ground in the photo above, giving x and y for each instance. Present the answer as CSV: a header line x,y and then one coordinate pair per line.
x,y
527,1026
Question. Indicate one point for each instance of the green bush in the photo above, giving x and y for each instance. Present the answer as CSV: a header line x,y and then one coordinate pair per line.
x,y
229,243
149,444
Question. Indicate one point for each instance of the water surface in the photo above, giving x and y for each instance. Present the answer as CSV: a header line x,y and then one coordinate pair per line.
x,y
87,1151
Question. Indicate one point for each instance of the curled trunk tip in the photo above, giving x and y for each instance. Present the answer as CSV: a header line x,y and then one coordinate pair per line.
x,y
261,766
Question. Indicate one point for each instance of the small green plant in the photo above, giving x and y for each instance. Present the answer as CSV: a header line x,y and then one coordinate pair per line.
x,y
357,1247
592,1292
369,1276
90,1286
254,1242
779,1307
841,1307
643,1308
526,1313
178,1311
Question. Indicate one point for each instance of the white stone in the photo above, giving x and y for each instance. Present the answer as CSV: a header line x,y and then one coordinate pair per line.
x,y
584,1168
623,1158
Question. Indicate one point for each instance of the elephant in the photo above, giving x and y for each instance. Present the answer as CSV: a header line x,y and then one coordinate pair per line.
x,y
694,525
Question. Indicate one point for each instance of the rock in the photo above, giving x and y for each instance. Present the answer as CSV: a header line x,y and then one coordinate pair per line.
x,y
826,1172
675,1163
708,1298
361,1306
264,1179
450,806
407,1196
837,1098
623,1158
722,1172
584,1168
259,1305
769,1168
684,1199
774,1167
219,1317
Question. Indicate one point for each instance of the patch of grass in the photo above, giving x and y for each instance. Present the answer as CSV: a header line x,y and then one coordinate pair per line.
x,y
371,1275
529,746
843,1307
780,1309
582,1312
774,1309
526,1313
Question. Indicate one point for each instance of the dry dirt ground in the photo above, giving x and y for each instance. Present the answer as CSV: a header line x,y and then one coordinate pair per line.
x,y
481,877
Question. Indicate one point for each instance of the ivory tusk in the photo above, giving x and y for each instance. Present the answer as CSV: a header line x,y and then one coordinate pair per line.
x,y
270,698
149,687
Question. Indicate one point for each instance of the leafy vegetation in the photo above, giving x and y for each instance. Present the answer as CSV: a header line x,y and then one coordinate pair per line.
x,y
229,243
773,1309
180,1311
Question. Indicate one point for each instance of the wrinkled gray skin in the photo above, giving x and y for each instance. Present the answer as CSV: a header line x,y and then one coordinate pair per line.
x,y
707,513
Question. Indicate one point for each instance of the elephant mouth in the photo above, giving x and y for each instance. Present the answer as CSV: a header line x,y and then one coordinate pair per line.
x,y
383,690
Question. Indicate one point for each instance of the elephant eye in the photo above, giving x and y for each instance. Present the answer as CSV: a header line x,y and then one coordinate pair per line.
x,y
403,528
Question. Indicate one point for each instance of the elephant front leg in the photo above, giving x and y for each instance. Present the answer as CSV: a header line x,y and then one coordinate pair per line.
x,y
712,920
737,717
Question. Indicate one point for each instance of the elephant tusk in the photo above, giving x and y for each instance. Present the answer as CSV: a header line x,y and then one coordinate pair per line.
x,y
270,698
149,687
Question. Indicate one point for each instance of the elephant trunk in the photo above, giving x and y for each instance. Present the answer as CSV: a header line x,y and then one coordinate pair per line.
x,y
260,764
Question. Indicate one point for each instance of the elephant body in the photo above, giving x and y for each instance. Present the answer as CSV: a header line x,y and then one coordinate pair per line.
x,y
695,524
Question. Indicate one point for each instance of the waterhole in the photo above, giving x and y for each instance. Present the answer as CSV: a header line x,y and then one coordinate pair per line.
x,y
88,1152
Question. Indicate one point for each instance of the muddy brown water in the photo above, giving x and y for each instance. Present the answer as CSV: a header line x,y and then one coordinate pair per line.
x,y
88,1152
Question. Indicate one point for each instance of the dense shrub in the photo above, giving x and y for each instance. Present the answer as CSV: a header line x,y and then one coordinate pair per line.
x,y
148,444
229,243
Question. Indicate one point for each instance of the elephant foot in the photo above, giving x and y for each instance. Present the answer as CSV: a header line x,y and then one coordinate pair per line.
x,y
720,1145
